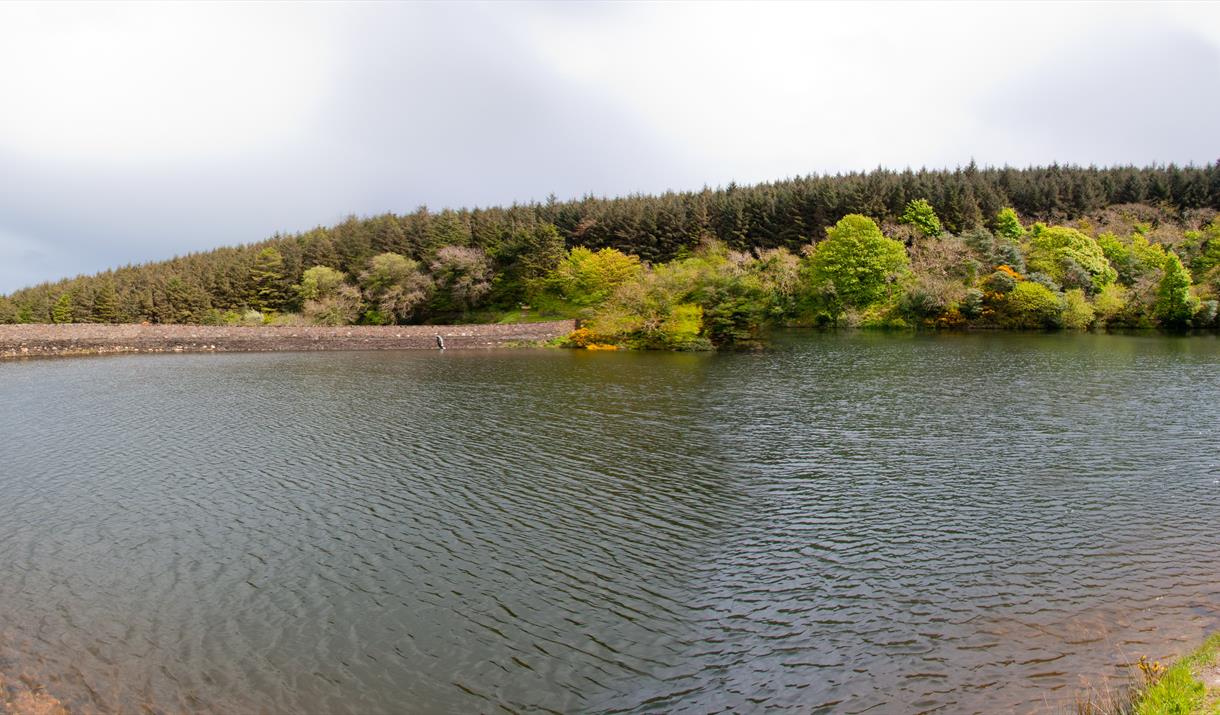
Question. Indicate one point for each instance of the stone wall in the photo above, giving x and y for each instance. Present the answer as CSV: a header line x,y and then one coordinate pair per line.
x,y
87,339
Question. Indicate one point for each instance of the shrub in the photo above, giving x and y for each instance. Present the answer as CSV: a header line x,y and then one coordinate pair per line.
x,y
1206,314
682,327
1051,247
1078,313
1110,302
971,305
340,307
1031,306
1001,281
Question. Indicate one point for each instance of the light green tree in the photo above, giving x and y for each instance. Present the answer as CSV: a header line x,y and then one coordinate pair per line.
x,y
326,297
61,311
1174,304
857,261
920,214
1008,225
320,282
1055,249
586,277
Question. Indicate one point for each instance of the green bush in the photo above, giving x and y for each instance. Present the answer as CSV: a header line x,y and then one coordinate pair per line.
x,y
1032,306
1078,313
1051,246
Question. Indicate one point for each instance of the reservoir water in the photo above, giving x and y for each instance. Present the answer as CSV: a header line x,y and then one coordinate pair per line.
x,y
842,524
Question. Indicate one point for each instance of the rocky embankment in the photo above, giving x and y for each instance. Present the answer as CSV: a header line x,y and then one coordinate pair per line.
x,y
17,341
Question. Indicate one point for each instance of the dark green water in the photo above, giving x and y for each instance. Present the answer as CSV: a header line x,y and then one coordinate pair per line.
x,y
846,523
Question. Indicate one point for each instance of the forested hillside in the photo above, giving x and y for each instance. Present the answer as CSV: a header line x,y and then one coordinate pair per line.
x,y
468,264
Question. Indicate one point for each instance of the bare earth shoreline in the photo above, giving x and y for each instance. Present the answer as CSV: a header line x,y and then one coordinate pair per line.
x,y
20,341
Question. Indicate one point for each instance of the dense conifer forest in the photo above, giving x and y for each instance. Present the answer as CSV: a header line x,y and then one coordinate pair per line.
x,y
1045,247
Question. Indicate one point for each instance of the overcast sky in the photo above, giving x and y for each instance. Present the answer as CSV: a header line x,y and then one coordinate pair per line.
x,y
137,132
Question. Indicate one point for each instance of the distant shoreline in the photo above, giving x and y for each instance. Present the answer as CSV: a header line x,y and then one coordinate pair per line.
x,y
45,340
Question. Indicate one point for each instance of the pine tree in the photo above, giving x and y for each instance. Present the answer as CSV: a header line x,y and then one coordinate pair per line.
x,y
61,312
106,304
269,286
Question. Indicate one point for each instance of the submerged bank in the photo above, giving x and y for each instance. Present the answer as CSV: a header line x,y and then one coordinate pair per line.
x,y
17,341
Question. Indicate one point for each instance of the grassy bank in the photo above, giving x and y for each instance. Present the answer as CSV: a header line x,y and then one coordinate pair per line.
x,y
1190,686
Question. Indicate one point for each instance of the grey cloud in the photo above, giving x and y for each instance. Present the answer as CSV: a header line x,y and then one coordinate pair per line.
x,y
429,110
1120,95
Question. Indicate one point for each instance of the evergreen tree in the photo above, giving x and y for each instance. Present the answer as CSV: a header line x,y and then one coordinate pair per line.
x,y
61,312
269,286
8,311
106,304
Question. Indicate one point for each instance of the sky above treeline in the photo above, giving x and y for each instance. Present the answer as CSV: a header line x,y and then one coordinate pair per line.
x,y
135,132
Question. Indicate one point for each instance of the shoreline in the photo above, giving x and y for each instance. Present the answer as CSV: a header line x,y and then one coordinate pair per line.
x,y
78,339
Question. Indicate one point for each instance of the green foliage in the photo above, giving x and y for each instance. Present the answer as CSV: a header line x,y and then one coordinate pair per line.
x,y
682,326
1174,304
269,285
1110,303
713,298
395,287
1032,306
859,263
106,304
320,282
525,258
1078,313
1207,314
1137,212
462,277
1054,250
1207,252
327,298
920,214
61,312
1008,225
585,277
1001,281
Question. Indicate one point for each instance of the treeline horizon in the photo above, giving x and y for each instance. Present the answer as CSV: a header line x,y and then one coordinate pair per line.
x,y
481,260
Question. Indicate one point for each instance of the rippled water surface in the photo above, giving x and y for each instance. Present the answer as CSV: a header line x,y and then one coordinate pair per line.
x,y
846,523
